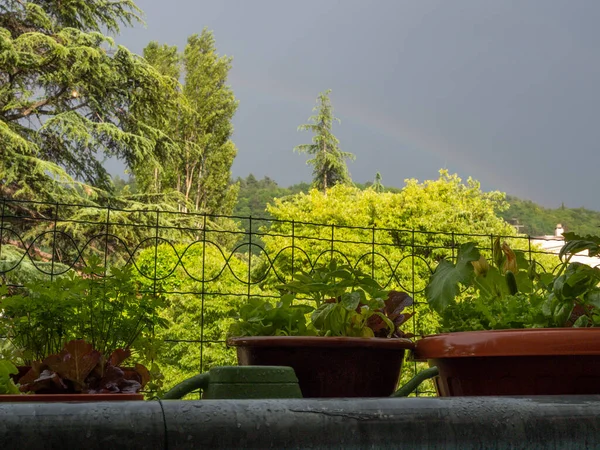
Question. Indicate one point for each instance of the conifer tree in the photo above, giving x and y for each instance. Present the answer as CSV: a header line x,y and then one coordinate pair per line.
x,y
377,185
328,161
69,97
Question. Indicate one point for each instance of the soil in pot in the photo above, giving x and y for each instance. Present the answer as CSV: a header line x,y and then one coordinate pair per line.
x,y
330,367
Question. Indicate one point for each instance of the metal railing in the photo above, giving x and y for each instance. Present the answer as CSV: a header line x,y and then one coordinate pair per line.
x,y
213,257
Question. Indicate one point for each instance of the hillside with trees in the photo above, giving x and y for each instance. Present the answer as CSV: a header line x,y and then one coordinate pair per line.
x,y
537,220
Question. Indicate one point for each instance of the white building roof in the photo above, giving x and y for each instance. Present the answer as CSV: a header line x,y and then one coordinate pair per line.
x,y
553,244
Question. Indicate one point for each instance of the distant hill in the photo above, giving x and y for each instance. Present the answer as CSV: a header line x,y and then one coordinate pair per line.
x,y
536,220
254,194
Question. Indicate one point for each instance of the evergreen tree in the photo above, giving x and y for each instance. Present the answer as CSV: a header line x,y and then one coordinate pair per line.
x,y
69,98
199,169
377,185
329,165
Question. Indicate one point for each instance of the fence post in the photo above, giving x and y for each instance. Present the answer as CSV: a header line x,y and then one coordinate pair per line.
x,y
54,243
202,298
2,225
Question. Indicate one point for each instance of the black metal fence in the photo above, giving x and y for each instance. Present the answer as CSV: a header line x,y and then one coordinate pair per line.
x,y
214,263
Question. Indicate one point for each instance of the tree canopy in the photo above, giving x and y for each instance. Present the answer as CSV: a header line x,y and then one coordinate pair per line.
x,y
70,97
199,168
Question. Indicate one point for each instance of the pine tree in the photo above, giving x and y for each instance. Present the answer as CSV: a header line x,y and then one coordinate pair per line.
x,y
377,185
69,98
329,165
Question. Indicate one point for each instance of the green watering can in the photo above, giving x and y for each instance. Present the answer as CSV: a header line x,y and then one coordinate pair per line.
x,y
241,382
261,382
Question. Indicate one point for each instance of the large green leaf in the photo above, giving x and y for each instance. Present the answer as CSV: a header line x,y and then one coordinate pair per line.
x,y
350,300
319,315
575,244
445,282
593,298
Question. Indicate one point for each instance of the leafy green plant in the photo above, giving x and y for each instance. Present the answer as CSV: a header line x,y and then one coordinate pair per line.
x,y
259,317
347,302
109,311
79,368
7,385
473,294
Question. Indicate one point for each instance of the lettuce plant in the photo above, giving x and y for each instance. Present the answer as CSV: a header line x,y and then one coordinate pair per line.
x,y
79,368
329,301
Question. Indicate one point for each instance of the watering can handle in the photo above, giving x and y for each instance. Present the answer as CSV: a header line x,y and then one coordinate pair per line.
x,y
415,381
196,382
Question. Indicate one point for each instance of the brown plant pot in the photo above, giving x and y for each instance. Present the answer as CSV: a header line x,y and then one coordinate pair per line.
x,y
330,366
70,397
555,361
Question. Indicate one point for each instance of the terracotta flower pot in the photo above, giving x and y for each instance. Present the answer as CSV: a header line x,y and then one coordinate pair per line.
x,y
330,366
555,361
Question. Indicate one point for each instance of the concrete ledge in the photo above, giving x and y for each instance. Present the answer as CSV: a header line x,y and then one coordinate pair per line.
x,y
102,425
430,423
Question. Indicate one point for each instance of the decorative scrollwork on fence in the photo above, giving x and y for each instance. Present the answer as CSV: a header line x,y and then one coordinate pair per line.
x,y
191,254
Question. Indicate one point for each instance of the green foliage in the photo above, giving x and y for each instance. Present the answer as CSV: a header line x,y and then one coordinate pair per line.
x,y
79,368
335,282
7,386
439,211
445,205
445,282
347,302
202,293
109,311
16,268
254,195
329,165
69,97
539,221
511,294
575,243
258,317
43,239
377,185
84,14
198,167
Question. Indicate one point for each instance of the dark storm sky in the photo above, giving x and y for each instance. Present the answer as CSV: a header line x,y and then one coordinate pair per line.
x,y
503,91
